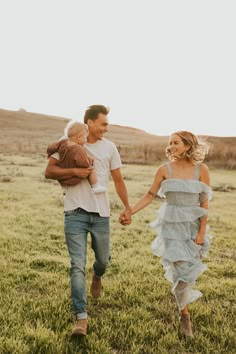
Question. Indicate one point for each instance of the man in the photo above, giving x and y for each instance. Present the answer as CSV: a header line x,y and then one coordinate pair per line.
x,y
86,212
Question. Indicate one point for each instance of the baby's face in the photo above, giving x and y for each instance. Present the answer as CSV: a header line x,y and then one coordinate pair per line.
x,y
82,137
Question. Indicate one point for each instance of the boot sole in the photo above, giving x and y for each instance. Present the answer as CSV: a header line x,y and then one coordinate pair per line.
x,y
79,332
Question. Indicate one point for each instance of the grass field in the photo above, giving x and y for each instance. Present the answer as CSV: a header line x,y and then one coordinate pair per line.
x,y
137,312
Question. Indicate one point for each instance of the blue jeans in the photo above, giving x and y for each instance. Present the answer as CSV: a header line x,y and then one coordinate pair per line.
x,y
78,223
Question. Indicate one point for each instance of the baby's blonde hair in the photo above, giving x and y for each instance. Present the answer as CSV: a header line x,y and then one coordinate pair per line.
x,y
72,128
196,152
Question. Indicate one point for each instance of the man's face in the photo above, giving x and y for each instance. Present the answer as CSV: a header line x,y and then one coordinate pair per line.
x,y
98,127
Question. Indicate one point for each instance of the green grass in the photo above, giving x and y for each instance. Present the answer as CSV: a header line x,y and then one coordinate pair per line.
x,y
136,313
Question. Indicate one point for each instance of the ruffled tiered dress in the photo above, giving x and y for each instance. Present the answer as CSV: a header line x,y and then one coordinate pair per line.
x,y
176,226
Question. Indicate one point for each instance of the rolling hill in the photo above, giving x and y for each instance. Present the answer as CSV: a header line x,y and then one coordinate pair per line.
x,y
28,132
38,130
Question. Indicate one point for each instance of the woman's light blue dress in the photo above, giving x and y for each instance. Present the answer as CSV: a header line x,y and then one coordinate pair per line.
x,y
176,226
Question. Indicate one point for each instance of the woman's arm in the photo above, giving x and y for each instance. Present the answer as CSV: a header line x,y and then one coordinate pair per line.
x,y
147,198
205,178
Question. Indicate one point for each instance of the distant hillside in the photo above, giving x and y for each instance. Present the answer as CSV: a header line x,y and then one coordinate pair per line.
x,y
21,127
27,132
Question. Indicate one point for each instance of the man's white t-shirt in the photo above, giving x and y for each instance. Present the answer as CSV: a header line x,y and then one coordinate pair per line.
x,y
106,158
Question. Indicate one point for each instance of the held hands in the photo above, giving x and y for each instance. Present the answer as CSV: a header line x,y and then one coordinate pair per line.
x,y
125,217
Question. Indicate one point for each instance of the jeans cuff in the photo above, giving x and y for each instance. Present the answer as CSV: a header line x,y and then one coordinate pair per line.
x,y
81,316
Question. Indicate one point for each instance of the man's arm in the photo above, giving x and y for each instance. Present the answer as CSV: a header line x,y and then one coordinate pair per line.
x,y
121,190
53,171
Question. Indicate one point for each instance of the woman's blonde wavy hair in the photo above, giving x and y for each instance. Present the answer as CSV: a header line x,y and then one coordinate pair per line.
x,y
196,152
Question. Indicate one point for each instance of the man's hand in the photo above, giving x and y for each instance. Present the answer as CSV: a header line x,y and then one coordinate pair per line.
x,y
125,217
53,171
82,172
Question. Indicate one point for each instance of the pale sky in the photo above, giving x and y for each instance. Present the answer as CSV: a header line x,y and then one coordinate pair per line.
x,y
160,66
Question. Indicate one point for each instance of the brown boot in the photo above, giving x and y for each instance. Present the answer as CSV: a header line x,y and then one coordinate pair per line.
x,y
80,328
96,286
185,325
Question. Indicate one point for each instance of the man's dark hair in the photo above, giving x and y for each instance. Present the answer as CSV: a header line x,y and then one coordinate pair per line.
x,y
93,111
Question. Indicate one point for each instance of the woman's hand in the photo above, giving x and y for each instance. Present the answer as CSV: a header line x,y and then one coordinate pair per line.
x,y
199,239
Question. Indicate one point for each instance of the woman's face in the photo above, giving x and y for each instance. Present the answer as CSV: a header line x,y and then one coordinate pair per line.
x,y
177,148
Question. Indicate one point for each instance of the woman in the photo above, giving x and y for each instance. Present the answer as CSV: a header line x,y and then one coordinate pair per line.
x,y
181,225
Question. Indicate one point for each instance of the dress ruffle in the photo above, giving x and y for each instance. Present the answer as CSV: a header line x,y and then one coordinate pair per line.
x,y
187,186
177,225
180,213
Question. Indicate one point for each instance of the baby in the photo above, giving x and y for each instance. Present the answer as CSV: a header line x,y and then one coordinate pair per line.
x,y
73,154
